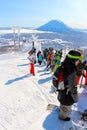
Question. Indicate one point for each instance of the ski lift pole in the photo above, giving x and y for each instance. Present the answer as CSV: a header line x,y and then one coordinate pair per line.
x,y
33,44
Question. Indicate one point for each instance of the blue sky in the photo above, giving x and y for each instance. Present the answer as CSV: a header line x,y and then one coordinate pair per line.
x,y
34,13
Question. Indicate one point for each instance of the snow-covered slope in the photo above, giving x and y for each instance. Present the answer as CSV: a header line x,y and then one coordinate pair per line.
x,y
24,98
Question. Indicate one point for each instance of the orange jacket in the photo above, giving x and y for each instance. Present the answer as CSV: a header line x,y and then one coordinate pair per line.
x,y
50,55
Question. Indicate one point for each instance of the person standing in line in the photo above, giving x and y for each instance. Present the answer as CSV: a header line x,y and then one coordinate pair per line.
x,y
57,59
69,95
45,53
32,59
49,58
85,73
40,57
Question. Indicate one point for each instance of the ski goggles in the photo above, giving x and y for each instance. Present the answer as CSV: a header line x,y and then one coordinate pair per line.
x,y
75,57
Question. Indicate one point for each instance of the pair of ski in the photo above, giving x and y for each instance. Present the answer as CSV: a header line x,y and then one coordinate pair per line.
x,y
52,107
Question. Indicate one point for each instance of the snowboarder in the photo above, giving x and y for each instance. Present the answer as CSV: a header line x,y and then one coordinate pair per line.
x,y
69,95
40,57
85,74
32,59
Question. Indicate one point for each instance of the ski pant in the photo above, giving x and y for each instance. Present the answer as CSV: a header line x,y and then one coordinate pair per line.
x,y
49,63
32,71
39,62
64,111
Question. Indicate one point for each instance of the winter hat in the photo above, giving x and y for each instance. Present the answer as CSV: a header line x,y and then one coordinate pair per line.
x,y
73,54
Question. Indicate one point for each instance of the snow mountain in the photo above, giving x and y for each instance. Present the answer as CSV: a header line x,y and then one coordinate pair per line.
x,y
55,26
62,31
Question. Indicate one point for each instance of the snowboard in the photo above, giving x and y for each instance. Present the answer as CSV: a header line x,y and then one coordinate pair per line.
x,y
52,107
76,123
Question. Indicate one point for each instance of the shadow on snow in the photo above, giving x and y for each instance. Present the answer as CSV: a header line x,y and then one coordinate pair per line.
x,y
16,79
52,122
42,81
